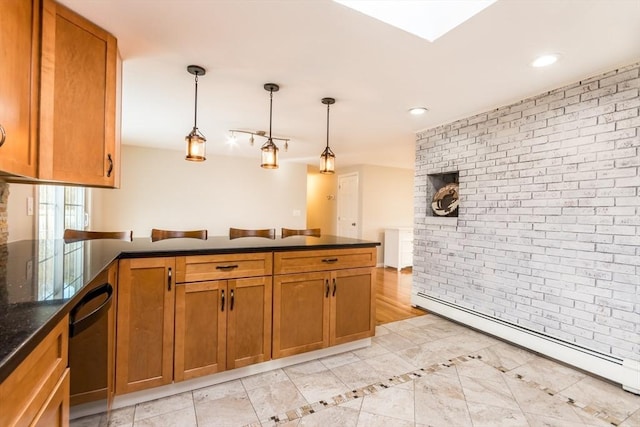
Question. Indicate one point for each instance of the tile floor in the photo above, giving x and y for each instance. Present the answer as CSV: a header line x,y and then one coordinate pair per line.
x,y
424,371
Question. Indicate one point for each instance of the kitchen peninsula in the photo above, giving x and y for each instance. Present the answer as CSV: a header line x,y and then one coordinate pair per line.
x,y
229,304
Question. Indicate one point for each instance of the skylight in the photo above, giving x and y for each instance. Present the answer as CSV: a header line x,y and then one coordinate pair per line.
x,y
428,19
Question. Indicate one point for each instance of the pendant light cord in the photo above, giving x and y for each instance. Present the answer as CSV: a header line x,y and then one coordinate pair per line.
x,y
270,111
195,109
328,125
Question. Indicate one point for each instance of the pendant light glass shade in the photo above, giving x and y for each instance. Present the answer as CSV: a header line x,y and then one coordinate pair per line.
x,y
196,142
327,158
269,149
269,155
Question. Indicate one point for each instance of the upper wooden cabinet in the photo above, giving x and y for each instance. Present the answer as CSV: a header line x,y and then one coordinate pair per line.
x,y
59,97
19,68
80,67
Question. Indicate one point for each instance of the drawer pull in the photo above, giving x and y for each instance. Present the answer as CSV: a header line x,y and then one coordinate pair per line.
x,y
3,135
335,287
110,160
226,267
222,309
232,299
330,260
327,284
169,279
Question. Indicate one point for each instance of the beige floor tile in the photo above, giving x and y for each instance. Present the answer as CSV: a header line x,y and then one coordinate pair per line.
x,y
483,415
548,373
181,418
339,360
356,375
393,402
381,330
122,417
479,369
232,410
373,350
484,391
388,365
333,416
537,420
320,386
415,335
367,419
218,391
304,369
397,326
393,342
534,401
507,356
353,404
275,399
98,420
263,379
163,406
436,408
632,421
444,382
604,396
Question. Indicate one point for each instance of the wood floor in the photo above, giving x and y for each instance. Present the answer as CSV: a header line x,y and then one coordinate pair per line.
x,y
393,295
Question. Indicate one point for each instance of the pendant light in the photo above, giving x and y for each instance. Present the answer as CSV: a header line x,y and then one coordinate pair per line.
x,y
327,158
269,149
195,140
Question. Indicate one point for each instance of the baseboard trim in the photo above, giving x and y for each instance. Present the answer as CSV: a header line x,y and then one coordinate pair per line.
x,y
625,372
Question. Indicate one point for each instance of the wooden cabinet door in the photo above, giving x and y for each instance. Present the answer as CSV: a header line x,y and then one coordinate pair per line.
x,y
145,318
300,313
91,352
249,321
352,305
19,44
55,412
200,329
78,91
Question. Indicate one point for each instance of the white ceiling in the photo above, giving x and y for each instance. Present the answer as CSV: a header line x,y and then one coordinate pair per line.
x,y
319,48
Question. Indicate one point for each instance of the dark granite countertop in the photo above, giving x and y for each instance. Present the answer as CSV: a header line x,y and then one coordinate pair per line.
x,y
41,280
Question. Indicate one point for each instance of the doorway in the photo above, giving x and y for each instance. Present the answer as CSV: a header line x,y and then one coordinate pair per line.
x,y
348,206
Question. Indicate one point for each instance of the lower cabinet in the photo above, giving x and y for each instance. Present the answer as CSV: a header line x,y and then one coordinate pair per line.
x,y
145,318
220,325
320,309
37,391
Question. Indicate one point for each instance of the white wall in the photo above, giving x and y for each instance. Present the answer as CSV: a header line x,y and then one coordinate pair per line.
x,y
386,200
20,225
322,201
160,189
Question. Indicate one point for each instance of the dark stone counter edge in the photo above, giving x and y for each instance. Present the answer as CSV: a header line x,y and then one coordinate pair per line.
x,y
13,359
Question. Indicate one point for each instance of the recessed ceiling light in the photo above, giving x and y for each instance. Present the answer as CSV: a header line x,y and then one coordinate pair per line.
x,y
426,19
416,111
545,60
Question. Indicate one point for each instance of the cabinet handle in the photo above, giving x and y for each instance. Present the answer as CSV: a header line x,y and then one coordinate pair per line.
x,y
222,308
110,160
226,267
335,287
169,279
327,285
231,303
3,135
330,260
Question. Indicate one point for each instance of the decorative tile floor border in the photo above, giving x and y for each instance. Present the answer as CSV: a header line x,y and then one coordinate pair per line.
x,y
396,380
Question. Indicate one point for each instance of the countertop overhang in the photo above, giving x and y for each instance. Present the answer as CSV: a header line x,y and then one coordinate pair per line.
x,y
33,302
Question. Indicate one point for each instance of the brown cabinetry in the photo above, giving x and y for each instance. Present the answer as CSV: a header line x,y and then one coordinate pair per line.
x,y
79,81
59,96
330,303
37,391
145,319
19,68
222,324
92,352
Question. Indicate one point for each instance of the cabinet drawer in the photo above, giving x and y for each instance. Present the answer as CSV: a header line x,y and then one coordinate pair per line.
x,y
330,259
228,266
26,390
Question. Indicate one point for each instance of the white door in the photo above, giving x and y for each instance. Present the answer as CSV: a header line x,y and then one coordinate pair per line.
x,y
348,203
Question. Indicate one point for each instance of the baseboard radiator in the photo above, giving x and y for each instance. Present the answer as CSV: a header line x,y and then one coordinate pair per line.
x,y
622,371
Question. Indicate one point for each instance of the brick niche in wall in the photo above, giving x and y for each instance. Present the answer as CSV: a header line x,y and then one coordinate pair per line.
x,y
548,232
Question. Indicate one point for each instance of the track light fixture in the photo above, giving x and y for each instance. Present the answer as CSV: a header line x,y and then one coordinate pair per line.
x,y
327,158
254,133
195,140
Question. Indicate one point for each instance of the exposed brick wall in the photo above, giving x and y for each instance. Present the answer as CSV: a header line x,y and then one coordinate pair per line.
x,y
548,233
